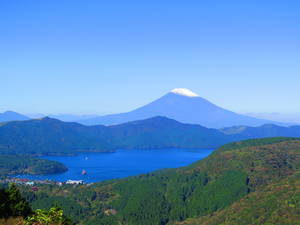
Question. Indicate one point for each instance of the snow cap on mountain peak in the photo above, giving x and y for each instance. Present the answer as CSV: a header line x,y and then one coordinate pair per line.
x,y
184,92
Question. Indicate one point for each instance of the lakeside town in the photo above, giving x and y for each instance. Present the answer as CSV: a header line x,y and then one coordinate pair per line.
x,y
34,183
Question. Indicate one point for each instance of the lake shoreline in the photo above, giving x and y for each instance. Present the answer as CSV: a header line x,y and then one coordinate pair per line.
x,y
122,163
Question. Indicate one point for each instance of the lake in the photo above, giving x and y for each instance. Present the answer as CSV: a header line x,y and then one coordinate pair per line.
x,y
122,163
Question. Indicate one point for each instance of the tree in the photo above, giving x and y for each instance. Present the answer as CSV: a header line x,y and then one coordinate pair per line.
x,y
4,204
17,204
12,204
53,216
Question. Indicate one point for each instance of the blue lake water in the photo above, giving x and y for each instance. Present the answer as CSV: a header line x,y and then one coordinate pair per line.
x,y
122,163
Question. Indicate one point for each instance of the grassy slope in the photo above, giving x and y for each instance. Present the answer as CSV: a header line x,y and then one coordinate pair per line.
x,y
231,173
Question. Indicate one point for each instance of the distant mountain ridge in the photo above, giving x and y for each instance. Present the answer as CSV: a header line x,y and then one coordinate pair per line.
x,y
180,104
71,117
266,130
184,106
162,132
50,136
63,117
12,116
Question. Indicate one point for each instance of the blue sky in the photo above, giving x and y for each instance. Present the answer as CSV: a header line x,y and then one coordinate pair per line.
x,y
112,56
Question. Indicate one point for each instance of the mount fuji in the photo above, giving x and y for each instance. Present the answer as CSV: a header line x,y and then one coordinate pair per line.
x,y
185,106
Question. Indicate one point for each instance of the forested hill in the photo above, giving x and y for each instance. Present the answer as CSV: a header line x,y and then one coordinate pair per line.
x,y
276,198
267,130
256,179
21,164
277,203
162,132
51,136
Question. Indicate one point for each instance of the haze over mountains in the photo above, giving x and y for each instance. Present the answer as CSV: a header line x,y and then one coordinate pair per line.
x,y
179,104
266,130
63,117
12,116
184,106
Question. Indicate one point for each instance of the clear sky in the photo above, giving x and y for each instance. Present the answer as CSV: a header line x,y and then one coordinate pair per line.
x,y
82,57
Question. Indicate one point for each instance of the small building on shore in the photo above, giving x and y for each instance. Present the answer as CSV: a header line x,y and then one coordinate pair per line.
x,y
74,182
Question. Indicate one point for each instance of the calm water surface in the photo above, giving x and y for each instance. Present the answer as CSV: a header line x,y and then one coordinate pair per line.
x,y
122,163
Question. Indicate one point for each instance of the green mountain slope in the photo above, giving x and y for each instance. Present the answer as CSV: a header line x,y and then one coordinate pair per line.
x,y
267,130
50,136
233,172
277,203
161,132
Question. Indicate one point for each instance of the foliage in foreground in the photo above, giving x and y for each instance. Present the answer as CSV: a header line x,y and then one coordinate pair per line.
x,y
14,209
53,216
12,204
